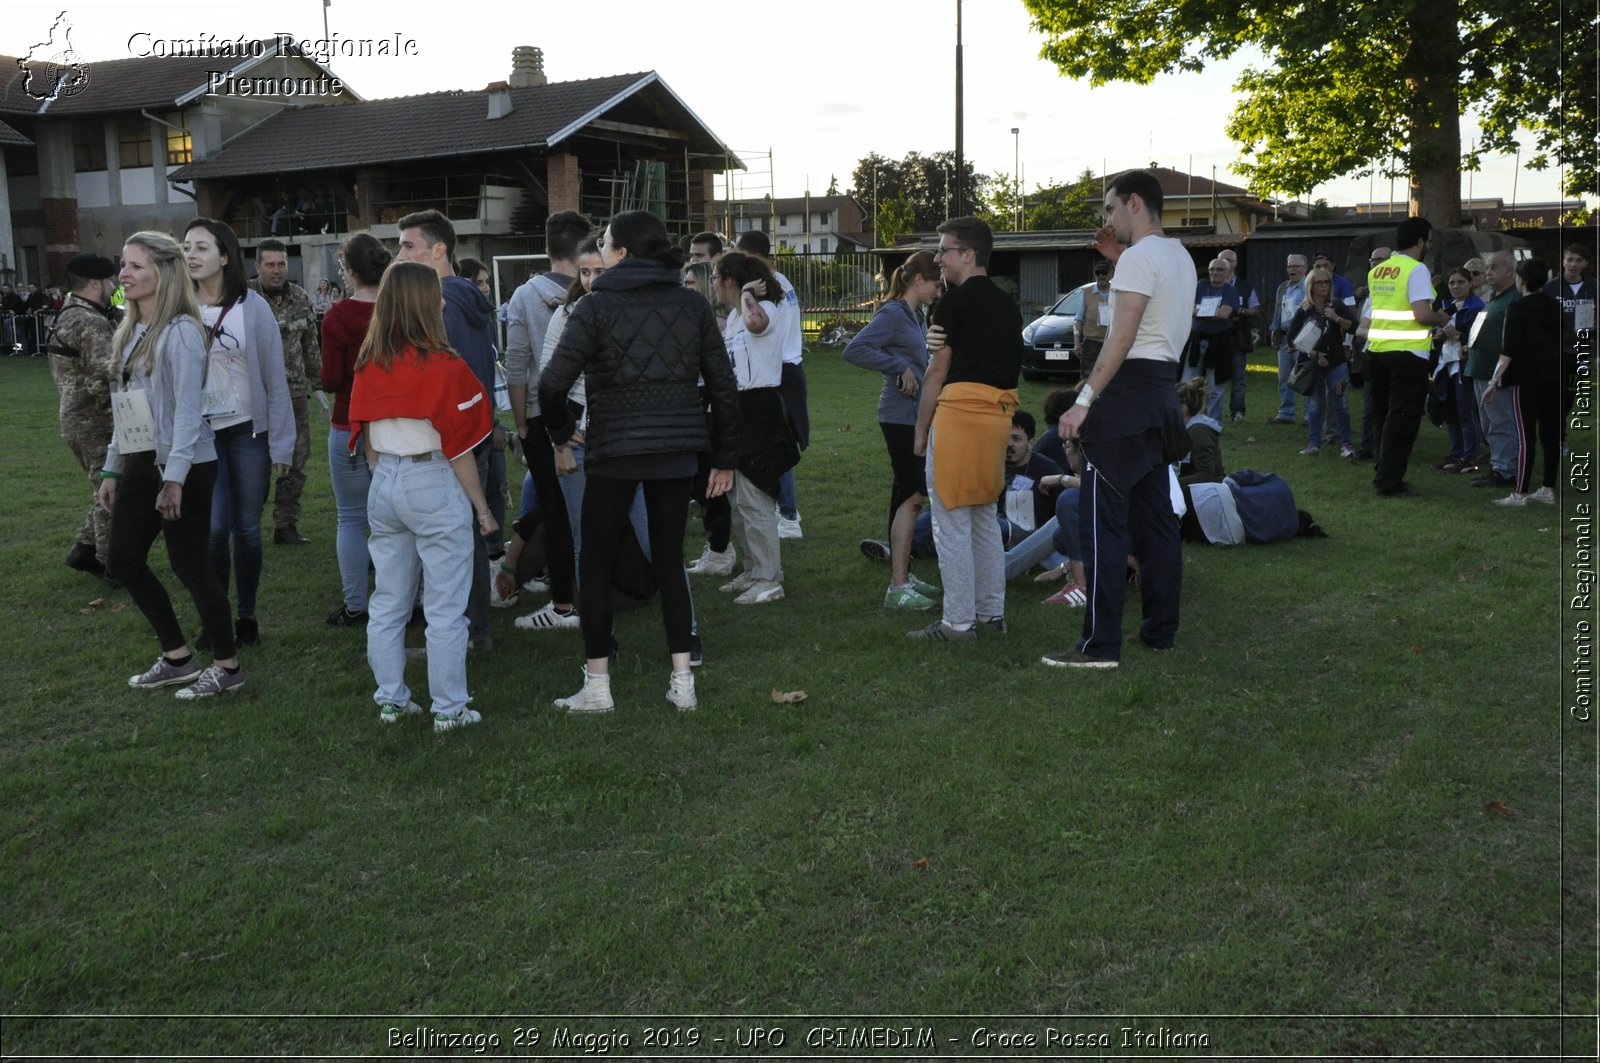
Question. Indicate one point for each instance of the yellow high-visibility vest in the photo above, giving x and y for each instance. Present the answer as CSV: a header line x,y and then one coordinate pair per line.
x,y
1394,324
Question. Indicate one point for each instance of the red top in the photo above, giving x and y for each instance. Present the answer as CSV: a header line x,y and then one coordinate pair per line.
x,y
344,326
441,390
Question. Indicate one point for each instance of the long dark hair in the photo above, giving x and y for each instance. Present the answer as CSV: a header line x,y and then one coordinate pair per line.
x,y
645,236
741,268
921,266
234,284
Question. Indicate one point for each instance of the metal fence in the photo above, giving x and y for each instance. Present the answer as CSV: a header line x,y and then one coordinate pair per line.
x,y
834,287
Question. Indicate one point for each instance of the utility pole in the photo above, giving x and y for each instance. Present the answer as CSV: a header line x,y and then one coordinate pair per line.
x,y
1016,179
961,155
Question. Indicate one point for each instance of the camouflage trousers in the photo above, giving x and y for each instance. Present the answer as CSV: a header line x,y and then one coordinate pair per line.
x,y
286,496
88,442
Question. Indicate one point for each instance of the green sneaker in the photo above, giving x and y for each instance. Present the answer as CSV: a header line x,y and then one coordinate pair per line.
x,y
923,587
905,598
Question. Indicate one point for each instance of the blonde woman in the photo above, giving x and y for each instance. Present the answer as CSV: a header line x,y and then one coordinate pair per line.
x,y
162,483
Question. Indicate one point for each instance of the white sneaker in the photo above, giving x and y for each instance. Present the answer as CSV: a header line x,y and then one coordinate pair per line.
x,y
595,697
680,691
547,618
738,583
537,586
1513,499
713,562
464,717
760,592
390,712
1545,495
497,602
789,529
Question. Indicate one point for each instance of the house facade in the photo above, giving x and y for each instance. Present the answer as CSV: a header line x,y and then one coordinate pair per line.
x,y
818,224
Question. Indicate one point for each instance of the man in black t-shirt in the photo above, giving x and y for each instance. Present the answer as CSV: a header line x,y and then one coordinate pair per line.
x,y
963,423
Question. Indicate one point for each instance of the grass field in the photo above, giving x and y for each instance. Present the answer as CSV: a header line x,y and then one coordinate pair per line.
x,y
1284,821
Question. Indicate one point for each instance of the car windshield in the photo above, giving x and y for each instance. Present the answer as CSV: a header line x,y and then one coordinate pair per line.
x,y
1069,305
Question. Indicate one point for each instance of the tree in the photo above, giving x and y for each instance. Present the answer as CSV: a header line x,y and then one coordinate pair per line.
x,y
833,185
896,217
1354,88
1064,206
924,181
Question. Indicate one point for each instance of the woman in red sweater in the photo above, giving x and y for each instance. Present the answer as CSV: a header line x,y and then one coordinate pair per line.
x,y
419,410
344,326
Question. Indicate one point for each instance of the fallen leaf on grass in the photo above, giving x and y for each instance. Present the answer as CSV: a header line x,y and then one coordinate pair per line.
x,y
86,612
1416,649
791,697
1500,808
920,865
119,607
844,428
97,601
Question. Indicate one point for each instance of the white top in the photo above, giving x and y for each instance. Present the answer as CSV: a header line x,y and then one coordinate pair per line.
x,y
404,436
1157,267
757,357
791,329
230,350
552,339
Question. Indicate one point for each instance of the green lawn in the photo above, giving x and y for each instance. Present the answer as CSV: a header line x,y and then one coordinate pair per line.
x,y
1284,818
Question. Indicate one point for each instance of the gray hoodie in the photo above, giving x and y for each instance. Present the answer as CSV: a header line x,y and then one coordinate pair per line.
x,y
895,339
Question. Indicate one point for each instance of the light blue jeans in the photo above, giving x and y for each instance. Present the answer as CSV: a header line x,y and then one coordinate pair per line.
x,y
1286,394
1317,403
351,482
421,530
1039,548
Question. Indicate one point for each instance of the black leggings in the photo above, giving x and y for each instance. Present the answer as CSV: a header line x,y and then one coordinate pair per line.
x,y
910,471
1538,408
606,501
134,527
558,562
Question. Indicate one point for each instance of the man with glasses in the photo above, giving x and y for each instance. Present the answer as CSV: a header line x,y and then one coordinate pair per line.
x,y
1090,326
1291,293
1244,331
963,424
1496,413
1131,428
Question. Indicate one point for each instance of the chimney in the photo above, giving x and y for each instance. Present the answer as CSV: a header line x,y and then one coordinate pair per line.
x,y
527,67
499,100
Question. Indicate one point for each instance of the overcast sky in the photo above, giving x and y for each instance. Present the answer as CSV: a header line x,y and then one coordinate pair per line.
x,y
820,83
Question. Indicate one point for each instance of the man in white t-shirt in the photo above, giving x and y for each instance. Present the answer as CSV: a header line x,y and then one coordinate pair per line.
x,y
1131,428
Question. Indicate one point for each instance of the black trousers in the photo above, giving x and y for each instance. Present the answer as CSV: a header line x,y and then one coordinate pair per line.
x,y
1538,409
134,527
606,501
541,458
1399,383
716,514
910,471
1111,526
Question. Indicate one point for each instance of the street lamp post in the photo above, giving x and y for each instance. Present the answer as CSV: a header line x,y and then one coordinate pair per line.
x,y
1016,179
961,157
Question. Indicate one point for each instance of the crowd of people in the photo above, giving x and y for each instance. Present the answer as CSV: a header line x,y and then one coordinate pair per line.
x,y
642,377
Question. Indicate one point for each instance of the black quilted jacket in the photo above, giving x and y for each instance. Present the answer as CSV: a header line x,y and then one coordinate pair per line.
x,y
642,341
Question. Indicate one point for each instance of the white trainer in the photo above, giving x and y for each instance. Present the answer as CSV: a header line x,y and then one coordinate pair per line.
x,y
546,618
760,592
594,698
789,527
738,583
680,691
713,562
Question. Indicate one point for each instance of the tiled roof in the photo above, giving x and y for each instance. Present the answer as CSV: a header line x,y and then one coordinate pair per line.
x,y
11,136
117,84
1178,183
434,125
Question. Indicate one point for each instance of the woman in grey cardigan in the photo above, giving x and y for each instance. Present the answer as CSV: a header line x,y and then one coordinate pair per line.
x,y
895,343
159,473
248,409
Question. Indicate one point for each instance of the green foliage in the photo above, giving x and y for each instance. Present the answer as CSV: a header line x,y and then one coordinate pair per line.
x,y
1058,206
833,185
1320,211
927,182
896,218
1353,88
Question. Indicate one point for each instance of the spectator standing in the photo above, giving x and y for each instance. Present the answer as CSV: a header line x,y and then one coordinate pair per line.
x,y
1248,317
1211,337
1330,320
1462,308
1399,339
1089,327
963,423
82,360
793,386
302,363
1290,297
1496,418
1529,369
1576,290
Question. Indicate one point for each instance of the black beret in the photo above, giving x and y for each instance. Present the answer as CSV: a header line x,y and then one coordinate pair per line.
x,y
92,267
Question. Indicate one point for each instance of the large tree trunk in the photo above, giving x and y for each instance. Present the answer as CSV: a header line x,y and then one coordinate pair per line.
x,y
1431,70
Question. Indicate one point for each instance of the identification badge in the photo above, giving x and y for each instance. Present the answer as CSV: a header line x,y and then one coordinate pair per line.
x,y
1583,315
1208,306
133,426
1019,503
1103,314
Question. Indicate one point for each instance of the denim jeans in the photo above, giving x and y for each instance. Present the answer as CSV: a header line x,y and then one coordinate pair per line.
x,y
1464,433
1241,366
787,504
1037,549
422,527
1326,394
1286,394
351,482
244,472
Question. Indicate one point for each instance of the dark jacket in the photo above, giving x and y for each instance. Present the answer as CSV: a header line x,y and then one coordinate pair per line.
x,y
469,321
1532,341
641,340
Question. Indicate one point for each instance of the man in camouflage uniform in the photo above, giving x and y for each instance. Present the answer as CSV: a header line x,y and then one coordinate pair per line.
x,y
82,362
302,363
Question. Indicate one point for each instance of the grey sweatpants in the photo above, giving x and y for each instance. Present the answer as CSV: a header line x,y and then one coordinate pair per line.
x,y
755,527
972,559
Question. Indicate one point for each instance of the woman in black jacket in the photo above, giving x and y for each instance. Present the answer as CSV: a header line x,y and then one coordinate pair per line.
x,y
1530,365
642,342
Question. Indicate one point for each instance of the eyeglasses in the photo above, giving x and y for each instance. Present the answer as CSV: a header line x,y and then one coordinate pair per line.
x,y
942,250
